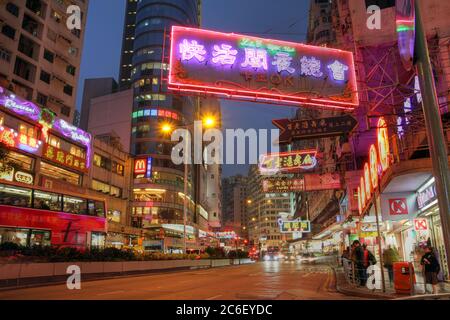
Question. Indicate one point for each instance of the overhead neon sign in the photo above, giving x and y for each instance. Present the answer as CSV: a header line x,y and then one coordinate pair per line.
x,y
238,66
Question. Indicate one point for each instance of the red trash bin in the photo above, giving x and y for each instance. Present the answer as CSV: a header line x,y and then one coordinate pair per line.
x,y
403,271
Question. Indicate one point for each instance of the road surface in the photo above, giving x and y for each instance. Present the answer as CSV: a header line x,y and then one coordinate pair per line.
x,y
269,280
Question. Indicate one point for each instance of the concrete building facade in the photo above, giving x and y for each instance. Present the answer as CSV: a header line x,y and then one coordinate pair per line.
x,y
39,56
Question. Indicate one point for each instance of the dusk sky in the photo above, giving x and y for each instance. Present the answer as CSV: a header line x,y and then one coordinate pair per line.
x,y
266,18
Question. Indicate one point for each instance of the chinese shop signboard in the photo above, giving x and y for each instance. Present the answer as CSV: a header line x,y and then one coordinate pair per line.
x,y
317,128
65,158
295,226
243,67
13,175
293,161
13,139
309,182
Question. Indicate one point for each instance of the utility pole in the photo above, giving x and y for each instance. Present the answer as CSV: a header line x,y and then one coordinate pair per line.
x,y
435,133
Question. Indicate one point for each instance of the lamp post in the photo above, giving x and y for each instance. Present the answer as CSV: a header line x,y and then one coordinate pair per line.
x,y
167,128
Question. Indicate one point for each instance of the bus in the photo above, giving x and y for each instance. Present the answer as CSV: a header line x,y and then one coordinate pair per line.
x,y
36,216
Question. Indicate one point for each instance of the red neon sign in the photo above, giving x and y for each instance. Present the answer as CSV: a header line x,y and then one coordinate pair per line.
x,y
242,67
140,166
378,157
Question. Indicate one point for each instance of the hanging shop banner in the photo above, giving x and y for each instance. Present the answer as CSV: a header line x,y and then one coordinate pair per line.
x,y
309,182
293,130
293,161
420,224
65,158
295,226
244,67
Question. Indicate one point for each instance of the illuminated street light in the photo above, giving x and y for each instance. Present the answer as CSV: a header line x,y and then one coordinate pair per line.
x,y
166,128
209,122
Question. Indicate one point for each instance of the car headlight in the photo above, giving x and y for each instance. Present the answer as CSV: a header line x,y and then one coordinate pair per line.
x,y
266,258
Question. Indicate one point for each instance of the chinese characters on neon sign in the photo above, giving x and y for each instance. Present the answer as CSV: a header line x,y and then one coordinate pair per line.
x,y
288,161
261,69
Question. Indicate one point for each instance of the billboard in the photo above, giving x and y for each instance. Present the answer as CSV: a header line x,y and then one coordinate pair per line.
x,y
295,226
309,182
243,67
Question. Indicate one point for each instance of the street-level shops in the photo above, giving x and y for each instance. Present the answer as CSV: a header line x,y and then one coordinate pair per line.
x,y
42,197
408,214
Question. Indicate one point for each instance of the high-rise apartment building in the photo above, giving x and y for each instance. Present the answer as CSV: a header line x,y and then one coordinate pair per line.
x,y
234,200
159,193
39,56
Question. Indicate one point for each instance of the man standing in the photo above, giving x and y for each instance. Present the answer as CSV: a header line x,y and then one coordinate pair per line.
x,y
432,268
358,261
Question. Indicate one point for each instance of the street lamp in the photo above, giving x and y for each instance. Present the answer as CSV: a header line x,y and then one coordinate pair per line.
x,y
167,128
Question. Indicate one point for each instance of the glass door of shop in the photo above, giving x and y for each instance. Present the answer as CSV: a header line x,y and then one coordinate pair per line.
x,y
438,242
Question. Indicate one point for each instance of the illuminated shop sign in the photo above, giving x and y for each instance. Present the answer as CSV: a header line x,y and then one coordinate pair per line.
x,y
179,228
13,139
19,106
295,226
239,66
63,157
10,174
293,161
426,196
379,161
143,168
309,182
225,235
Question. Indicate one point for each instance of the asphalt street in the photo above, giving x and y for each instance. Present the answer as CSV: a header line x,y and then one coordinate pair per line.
x,y
268,280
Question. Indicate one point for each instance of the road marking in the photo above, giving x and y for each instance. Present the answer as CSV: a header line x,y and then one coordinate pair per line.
x,y
212,298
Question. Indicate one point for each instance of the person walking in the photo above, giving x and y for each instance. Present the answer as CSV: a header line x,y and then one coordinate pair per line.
x,y
390,256
368,260
358,260
431,267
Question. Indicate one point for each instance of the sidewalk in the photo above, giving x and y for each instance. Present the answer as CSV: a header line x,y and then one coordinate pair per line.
x,y
343,286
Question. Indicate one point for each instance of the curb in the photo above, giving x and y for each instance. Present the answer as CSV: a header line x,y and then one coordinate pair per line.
x,y
355,293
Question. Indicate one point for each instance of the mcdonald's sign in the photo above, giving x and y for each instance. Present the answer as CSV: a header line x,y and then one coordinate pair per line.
x,y
140,166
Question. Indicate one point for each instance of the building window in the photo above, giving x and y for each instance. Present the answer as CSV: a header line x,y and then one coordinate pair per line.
x,y
65,110
68,89
41,99
9,31
71,69
60,174
47,201
49,56
45,77
12,8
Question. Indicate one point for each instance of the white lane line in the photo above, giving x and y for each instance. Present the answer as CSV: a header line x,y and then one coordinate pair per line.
x,y
215,297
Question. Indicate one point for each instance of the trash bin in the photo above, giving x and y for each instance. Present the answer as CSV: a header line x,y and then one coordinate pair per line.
x,y
404,277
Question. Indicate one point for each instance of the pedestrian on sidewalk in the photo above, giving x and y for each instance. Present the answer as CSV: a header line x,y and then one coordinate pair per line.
x,y
368,260
345,255
358,261
390,256
432,268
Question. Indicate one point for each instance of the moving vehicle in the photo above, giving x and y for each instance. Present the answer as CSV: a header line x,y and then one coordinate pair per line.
x,y
35,216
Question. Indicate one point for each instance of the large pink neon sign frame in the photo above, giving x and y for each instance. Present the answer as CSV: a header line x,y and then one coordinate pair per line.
x,y
195,70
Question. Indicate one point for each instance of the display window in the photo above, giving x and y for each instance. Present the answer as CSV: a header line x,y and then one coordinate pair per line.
x,y
60,173
98,240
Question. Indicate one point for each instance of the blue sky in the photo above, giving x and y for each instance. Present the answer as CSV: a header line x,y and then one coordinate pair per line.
x,y
280,19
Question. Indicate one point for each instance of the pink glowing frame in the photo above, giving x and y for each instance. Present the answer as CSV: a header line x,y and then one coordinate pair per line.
x,y
263,96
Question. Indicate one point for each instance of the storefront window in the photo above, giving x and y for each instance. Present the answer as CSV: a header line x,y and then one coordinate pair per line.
x,y
114,215
59,173
20,160
98,240
15,196
47,201
74,205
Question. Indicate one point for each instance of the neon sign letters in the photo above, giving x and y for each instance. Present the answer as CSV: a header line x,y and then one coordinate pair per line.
x,y
379,162
243,67
293,161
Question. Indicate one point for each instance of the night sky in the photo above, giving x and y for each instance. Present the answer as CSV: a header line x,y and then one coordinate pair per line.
x,y
276,19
